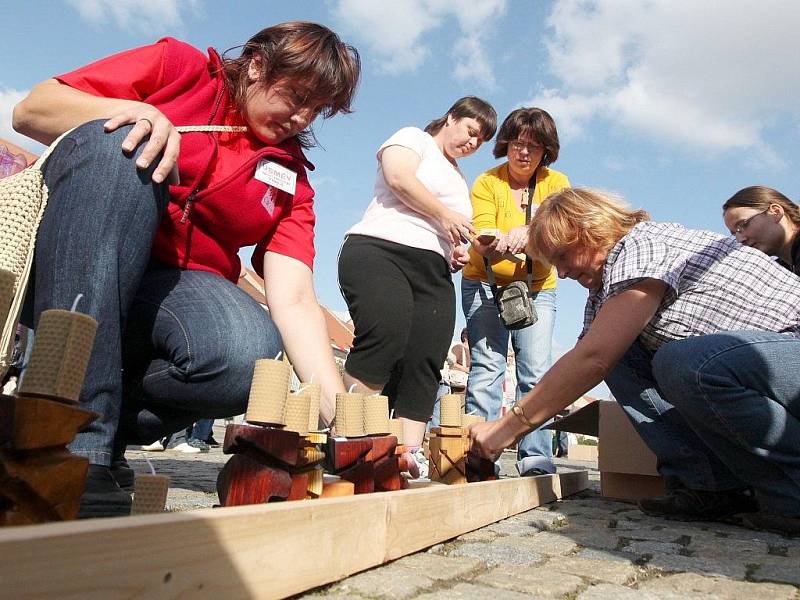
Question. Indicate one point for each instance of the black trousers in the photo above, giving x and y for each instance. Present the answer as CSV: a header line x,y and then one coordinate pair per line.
x,y
402,303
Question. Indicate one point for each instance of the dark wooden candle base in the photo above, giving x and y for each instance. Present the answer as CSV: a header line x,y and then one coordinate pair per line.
x,y
40,480
268,464
369,463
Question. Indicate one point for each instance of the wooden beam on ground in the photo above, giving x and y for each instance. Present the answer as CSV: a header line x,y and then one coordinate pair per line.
x,y
265,551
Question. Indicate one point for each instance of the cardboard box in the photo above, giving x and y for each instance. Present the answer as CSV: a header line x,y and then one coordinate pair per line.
x,y
582,452
627,466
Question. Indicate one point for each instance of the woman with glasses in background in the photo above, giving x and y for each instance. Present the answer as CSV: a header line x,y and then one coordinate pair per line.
x,y
765,219
500,198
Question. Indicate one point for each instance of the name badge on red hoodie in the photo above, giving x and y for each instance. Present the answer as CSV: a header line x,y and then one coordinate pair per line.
x,y
277,176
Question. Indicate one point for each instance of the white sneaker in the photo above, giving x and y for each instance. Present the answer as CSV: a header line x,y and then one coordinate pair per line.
x,y
156,446
186,448
422,462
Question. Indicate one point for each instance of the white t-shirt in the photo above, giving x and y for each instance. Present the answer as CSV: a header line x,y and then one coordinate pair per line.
x,y
389,218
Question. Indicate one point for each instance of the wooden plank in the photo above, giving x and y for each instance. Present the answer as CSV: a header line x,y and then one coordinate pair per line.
x,y
265,551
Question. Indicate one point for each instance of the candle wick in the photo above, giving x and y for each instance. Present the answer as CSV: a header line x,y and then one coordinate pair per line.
x,y
75,303
391,414
149,464
352,387
472,412
278,355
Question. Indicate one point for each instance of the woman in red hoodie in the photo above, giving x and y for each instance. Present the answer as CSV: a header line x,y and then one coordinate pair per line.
x,y
147,223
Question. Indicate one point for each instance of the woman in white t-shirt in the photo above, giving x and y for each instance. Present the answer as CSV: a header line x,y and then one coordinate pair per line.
x,y
395,264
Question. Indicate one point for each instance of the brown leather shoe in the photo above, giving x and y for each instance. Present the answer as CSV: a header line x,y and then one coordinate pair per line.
x,y
683,504
772,522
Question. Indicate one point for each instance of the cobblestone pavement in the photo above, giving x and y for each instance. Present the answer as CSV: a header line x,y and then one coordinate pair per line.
x,y
582,548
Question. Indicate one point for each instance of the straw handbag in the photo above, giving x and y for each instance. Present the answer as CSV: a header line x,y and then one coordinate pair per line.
x,y
23,198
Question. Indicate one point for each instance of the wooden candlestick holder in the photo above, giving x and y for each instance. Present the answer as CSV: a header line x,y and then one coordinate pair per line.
x,y
450,461
370,463
268,464
40,480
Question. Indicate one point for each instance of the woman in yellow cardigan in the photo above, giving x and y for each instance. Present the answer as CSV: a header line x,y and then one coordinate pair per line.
x,y
529,140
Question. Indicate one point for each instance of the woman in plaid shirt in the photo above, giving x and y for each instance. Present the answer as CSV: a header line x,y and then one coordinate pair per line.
x,y
696,336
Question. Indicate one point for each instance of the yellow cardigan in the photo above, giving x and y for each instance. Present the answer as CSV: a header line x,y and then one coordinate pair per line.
x,y
493,207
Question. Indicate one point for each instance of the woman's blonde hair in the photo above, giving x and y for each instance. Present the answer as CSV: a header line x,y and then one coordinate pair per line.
x,y
580,217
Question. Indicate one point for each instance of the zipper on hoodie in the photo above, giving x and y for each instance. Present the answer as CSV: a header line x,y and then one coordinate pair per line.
x,y
187,206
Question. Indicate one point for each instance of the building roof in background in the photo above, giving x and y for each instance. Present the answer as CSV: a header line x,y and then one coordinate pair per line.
x,y
339,332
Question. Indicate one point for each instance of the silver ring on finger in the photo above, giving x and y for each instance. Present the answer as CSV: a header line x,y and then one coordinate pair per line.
x,y
149,122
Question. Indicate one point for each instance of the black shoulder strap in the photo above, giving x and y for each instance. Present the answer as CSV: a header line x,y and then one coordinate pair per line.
x,y
528,261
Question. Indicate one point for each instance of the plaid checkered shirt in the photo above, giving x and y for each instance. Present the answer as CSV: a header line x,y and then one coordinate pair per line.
x,y
713,284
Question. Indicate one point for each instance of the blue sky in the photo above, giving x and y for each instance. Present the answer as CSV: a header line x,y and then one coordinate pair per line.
x,y
676,104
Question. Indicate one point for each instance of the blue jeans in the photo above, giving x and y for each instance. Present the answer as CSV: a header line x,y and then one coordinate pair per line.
x,y
200,430
488,347
172,346
720,412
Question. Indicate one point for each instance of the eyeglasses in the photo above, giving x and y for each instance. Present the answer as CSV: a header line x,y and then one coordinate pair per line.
x,y
742,225
520,146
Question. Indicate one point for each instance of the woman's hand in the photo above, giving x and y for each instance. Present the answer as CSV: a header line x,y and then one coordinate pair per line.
x,y
149,121
457,225
490,439
484,249
514,241
459,258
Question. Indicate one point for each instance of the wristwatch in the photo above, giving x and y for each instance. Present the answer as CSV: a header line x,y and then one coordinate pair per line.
x,y
520,414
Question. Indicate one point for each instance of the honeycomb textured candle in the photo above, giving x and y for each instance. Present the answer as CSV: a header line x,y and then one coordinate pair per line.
x,y
61,350
267,402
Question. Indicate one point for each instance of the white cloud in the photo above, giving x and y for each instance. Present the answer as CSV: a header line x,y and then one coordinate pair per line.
x,y
396,33
145,16
8,98
709,75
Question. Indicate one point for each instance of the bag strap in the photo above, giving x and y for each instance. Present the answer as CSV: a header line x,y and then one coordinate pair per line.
x,y
528,262
46,154
211,128
182,129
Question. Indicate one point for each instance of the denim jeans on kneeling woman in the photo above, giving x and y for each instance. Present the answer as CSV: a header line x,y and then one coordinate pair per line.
x,y
488,347
188,339
720,411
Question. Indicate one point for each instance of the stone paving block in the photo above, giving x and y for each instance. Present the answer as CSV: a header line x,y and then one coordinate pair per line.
x,y
436,566
626,525
513,527
384,582
553,544
598,538
728,549
783,572
541,520
679,563
329,594
587,513
617,506
497,553
480,535
741,533
537,581
605,555
650,547
469,591
439,548
673,534
607,591
717,587
609,571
